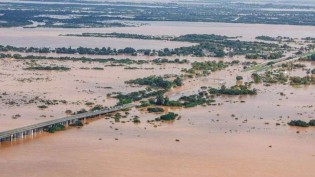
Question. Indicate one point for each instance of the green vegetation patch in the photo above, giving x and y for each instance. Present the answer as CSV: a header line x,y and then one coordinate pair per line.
x,y
121,35
300,123
307,80
169,116
157,82
54,128
155,109
273,77
136,96
48,68
204,68
234,90
77,124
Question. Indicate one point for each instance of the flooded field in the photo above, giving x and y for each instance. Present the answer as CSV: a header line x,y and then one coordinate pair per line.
x,y
43,37
237,136
226,146
76,87
50,38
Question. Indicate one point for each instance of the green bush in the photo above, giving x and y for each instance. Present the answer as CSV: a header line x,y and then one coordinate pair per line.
x,y
136,120
156,109
174,103
298,123
256,77
42,106
97,108
55,128
312,122
239,78
169,116
81,111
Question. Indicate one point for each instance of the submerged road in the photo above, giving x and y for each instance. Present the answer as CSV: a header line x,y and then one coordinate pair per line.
x,y
277,62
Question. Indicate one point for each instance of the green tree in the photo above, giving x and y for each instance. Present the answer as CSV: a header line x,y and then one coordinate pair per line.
x,y
160,99
178,81
239,78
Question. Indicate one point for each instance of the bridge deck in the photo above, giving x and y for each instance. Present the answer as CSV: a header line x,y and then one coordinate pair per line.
x,y
6,134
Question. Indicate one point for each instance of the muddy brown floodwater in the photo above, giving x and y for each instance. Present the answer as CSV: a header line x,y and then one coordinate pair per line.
x,y
240,136
33,37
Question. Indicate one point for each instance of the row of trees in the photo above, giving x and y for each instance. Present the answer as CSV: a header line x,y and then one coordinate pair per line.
x,y
208,45
234,90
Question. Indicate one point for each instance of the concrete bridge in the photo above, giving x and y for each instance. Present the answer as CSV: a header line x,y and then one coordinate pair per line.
x,y
39,127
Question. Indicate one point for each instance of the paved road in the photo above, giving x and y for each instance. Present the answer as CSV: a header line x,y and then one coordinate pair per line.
x,y
263,66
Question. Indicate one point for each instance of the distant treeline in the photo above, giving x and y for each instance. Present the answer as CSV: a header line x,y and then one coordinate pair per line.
x,y
209,45
275,39
87,14
121,35
126,61
197,38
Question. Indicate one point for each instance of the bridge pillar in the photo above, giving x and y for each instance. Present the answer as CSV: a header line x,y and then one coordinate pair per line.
x,y
11,138
22,135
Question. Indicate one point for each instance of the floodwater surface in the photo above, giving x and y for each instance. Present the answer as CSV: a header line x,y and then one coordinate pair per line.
x,y
237,136
43,37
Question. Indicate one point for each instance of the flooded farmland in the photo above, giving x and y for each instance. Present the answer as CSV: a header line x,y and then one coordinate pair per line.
x,y
221,134
142,150
43,37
